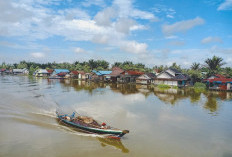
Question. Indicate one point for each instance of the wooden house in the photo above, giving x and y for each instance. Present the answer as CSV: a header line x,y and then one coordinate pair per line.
x,y
50,71
88,76
101,75
78,75
74,74
147,78
115,74
129,76
20,71
81,75
41,73
59,74
58,71
219,82
2,71
172,77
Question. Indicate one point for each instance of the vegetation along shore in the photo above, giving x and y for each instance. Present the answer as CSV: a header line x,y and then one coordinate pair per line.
x,y
213,73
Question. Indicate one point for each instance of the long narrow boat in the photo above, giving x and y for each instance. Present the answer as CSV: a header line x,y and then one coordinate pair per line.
x,y
90,125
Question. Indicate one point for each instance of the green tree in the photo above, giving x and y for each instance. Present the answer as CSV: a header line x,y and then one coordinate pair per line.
x,y
195,66
214,64
92,64
117,64
175,66
22,65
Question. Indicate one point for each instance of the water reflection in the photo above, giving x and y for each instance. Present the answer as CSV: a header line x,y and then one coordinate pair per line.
x,y
114,143
168,96
104,141
173,122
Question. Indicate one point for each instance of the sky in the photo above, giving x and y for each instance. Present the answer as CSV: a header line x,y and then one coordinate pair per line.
x,y
152,32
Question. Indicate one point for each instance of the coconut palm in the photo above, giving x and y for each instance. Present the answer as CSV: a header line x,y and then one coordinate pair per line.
x,y
195,66
215,63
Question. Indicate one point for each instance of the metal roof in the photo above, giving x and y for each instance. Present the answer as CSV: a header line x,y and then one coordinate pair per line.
x,y
101,72
181,77
61,70
42,71
175,70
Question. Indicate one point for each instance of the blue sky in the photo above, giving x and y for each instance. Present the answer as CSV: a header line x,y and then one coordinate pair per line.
x,y
153,32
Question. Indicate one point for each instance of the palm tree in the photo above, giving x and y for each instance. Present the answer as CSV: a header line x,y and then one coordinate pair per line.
x,y
117,64
92,64
195,66
215,63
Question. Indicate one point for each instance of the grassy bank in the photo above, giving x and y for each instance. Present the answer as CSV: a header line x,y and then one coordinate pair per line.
x,y
199,87
163,86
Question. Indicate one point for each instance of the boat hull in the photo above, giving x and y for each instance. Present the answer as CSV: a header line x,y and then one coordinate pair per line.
x,y
118,133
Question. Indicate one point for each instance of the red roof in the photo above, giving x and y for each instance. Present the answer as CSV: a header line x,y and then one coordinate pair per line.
x,y
116,71
131,72
50,70
223,80
81,72
3,70
78,72
220,76
74,72
62,74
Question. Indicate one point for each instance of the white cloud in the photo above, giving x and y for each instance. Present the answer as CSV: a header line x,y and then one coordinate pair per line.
x,y
177,43
144,15
211,40
226,5
37,55
126,9
101,39
171,37
88,3
79,50
169,16
218,50
163,10
36,20
124,25
182,26
74,13
134,47
103,18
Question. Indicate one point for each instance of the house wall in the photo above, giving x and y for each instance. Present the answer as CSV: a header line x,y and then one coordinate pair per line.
x,y
167,82
83,77
229,86
142,81
163,75
41,74
53,73
114,79
88,76
79,76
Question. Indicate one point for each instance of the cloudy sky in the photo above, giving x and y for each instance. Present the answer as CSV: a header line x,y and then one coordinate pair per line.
x,y
152,32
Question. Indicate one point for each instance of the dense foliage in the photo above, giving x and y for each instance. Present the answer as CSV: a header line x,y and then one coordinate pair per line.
x,y
197,71
163,86
84,66
199,87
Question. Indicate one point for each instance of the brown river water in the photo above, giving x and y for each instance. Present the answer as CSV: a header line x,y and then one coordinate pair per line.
x,y
162,123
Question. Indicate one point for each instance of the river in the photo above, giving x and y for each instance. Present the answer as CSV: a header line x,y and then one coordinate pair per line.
x,y
162,123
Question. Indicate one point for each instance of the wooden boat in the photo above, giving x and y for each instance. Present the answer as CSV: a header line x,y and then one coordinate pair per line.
x,y
90,125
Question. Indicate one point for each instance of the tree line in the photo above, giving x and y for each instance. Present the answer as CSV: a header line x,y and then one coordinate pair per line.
x,y
196,71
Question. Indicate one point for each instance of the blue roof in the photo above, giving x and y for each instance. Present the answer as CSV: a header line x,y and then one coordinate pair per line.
x,y
102,72
61,70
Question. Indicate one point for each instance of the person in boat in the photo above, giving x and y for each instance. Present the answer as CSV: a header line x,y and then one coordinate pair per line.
x,y
103,125
67,118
